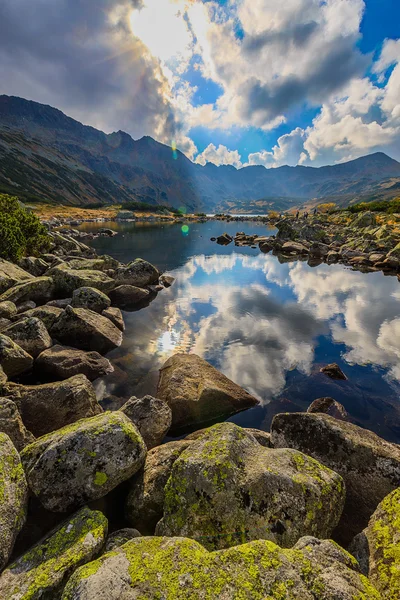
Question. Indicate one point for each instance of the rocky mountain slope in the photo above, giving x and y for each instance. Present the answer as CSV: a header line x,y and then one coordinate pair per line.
x,y
46,155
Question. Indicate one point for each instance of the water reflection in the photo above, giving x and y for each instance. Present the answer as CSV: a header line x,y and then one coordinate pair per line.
x,y
266,325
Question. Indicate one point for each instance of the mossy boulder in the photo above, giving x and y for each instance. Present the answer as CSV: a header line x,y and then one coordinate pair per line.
x,y
38,289
369,465
182,569
11,424
197,393
86,330
13,359
138,273
83,461
151,416
43,571
67,280
88,297
13,498
47,314
7,310
47,407
226,488
61,362
11,274
395,252
31,335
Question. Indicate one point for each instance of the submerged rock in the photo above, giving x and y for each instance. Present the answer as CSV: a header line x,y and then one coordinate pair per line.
x,y
11,424
87,297
62,362
198,393
31,335
226,488
13,359
152,417
126,296
43,571
83,461
13,498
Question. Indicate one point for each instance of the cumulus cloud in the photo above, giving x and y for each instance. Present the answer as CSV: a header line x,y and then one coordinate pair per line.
x,y
219,156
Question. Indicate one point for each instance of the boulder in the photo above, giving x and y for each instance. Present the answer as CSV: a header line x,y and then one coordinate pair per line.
x,y
67,280
63,303
11,275
47,314
37,289
224,240
145,501
34,265
23,307
50,406
13,498
138,273
4,323
115,316
61,362
285,230
182,569
83,461
266,246
13,359
7,310
226,482
333,371
198,393
364,219
120,537
329,406
3,378
167,280
152,417
395,252
87,297
31,335
128,295
11,424
88,264
86,330
294,248
262,437
369,465
43,571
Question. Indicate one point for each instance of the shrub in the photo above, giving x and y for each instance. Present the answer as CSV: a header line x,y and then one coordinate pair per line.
x,y
21,232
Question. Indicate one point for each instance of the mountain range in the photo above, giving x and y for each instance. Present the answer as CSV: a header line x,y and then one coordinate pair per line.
x,y
48,156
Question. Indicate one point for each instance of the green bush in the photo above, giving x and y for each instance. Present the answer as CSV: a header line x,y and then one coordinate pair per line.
x,y
388,206
21,232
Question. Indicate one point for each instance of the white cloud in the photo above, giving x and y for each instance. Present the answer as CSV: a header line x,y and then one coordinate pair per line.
x,y
219,156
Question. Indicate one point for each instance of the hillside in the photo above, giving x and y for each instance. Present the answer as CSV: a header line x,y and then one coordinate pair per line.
x,y
46,155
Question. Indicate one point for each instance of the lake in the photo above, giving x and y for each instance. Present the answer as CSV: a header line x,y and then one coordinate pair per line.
x,y
268,325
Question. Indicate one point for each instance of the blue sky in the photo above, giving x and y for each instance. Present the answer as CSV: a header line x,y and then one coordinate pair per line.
x,y
237,82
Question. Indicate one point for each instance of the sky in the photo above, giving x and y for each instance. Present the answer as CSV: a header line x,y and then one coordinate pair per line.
x,y
240,82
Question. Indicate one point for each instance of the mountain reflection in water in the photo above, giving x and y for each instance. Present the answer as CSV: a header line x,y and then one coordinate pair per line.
x,y
266,325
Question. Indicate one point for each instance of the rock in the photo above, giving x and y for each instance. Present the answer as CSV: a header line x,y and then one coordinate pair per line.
x,y
31,335
90,298
364,219
13,359
86,330
138,273
47,407
369,465
329,406
197,393
285,230
333,256
25,306
47,314
266,246
182,569
152,417
333,371
115,316
359,548
88,264
312,233
294,248
145,501
395,252
375,257
13,498
11,424
224,239
120,537
60,303
128,295
3,378
34,265
167,280
83,461
43,571
37,289
319,250
7,310
262,437
67,280
61,362
227,482
4,323
11,275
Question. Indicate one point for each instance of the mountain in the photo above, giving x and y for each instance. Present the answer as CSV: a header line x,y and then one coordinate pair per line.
x,y
48,156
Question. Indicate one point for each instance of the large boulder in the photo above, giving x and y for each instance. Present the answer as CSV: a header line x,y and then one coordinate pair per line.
x,y
364,219
138,273
198,393
67,280
152,416
47,314
43,571
145,501
13,498
115,316
7,310
31,335
87,297
11,275
50,406
127,296
226,482
83,461
13,359
34,265
369,465
329,406
37,289
182,569
11,424
286,231
86,330
61,362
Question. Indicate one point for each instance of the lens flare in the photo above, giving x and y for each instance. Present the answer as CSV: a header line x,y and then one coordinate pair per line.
x,y
185,229
174,152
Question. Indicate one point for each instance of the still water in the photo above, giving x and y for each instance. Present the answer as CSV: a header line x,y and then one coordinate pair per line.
x,y
267,325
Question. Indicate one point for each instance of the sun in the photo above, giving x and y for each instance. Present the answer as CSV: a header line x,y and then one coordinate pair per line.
x,y
163,28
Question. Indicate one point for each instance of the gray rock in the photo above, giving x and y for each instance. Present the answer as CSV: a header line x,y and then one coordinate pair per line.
x,y
43,571
47,314
34,265
60,303
4,323
90,298
31,335
11,275
13,359
67,280
25,306
152,417
120,537
86,330
115,316
138,273
197,393
262,437
369,465
11,424
37,289
13,496
329,406
294,248
128,295
7,310
61,362
83,461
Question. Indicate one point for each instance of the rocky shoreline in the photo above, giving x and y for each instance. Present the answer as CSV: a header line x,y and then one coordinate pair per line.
x,y
95,505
